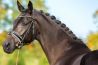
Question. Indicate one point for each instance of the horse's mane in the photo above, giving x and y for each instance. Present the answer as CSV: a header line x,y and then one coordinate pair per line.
x,y
66,29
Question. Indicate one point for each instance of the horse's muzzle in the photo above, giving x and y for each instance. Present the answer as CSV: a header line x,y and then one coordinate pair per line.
x,y
9,46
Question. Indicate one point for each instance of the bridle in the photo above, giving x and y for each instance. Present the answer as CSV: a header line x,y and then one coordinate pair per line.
x,y
19,38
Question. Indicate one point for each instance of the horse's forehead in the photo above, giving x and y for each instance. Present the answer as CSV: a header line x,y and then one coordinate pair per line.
x,y
24,14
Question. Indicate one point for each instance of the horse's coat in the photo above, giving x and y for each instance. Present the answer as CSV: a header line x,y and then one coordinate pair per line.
x,y
60,45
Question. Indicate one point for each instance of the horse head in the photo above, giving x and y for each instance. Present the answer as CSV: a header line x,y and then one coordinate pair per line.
x,y
23,29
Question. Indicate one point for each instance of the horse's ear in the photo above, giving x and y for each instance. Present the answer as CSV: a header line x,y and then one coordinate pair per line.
x,y
30,7
20,7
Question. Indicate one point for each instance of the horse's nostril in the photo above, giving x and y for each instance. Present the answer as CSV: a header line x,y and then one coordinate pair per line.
x,y
7,45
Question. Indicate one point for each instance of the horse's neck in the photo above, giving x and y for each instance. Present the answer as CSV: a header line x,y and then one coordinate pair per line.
x,y
53,39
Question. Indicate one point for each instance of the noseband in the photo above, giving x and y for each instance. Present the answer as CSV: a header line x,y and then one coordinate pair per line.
x,y
19,37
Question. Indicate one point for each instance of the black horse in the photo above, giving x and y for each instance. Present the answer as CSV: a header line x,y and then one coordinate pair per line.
x,y
60,45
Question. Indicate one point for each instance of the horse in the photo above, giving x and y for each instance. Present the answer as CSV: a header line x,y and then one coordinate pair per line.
x,y
60,45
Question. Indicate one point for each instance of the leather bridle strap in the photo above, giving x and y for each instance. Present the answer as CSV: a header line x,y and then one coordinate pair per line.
x,y
19,39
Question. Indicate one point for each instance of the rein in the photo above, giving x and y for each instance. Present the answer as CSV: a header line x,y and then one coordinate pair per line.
x,y
17,58
19,37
